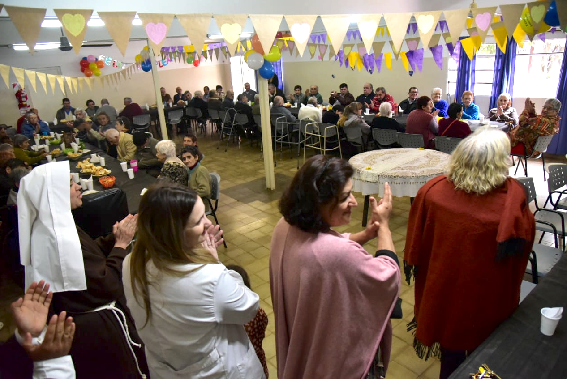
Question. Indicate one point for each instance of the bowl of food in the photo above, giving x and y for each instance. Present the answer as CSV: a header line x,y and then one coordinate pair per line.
x,y
107,181
55,153
55,142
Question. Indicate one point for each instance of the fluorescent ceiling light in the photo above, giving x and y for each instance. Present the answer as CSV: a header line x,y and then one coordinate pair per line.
x,y
136,21
38,46
51,23
94,21
219,36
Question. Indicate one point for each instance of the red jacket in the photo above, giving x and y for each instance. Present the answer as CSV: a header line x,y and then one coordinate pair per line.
x,y
131,110
375,105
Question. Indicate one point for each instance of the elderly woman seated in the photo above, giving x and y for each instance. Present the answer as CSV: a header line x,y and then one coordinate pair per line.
x,y
384,120
173,168
199,177
504,112
34,125
124,143
422,121
451,126
81,113
470,109
531,126
22,152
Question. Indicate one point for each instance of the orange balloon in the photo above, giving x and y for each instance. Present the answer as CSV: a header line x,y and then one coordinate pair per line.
x,y
256,45
100,64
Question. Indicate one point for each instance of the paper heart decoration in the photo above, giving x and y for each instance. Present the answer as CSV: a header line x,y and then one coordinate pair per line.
x,y
231,32
367,28
483,21
425,23
74,23
537,13
300,32
156,32
412,45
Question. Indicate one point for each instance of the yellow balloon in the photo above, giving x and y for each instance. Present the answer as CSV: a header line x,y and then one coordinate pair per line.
x,y
247,54
526,23
138,58
146,48
191,49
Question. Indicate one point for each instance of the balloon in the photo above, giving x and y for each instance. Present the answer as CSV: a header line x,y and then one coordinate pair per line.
x,y
255,61
88,72
93,66
196,63
84,59
256,44
146,66
247,54
146,48
191,49
190,59
274,55
145,55
526,23
138,58
551,17
91,58
84,63
267,70
96,72
100,64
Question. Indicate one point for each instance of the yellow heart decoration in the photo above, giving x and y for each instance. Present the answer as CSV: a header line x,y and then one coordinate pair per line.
x,y
425,23
74,23
538,12
367,28
231,32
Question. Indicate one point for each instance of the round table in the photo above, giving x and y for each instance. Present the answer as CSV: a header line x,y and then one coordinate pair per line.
x,y
406,170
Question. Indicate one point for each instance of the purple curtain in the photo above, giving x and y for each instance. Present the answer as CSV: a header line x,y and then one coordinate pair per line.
x,y
558,144
504,68
278,68
465,74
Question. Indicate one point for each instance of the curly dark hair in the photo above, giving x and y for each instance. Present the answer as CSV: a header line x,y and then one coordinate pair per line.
x,y
318,182
423,101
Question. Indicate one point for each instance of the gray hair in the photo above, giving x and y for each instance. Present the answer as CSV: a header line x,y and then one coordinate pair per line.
x,y
111,133
386,109
104,102
278,100
18,139
166,147
198,93
381,89
436,89
256,98
312,100
7,146
18,173
556,104
79,110
507,95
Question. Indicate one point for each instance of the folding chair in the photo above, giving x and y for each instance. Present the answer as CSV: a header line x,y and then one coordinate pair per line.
x,y
557,184
384,138
317,135
215,118
215,194
410,141
227,126
354,137
541,145
174,119
446,144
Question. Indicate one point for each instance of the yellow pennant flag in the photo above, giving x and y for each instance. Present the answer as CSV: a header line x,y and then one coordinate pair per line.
x,y
500,36
359,63
5,72
388,60
89,82
69,83
31,78
75,85
81,82
52,79
61,82
477,40
312,49
469,47
19,72
405,60
43,80
353,57
519,35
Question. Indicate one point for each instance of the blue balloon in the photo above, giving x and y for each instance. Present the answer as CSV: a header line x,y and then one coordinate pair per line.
x,y
551,17
267,70
146,66
84,59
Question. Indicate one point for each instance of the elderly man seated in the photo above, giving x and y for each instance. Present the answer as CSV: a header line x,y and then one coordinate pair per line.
x,y
278,108
310,111
228,101
524,136
124,143
366,97
256,105
130,109
314,92
274,91
34,125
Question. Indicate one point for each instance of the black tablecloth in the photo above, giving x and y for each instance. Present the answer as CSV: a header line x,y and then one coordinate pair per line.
x,y
132,187
517,349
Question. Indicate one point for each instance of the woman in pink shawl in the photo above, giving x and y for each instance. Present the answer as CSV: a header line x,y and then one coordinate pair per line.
x,y
332,300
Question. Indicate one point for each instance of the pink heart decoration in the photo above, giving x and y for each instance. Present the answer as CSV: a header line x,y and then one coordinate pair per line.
x,y
412,45
483,21
156,32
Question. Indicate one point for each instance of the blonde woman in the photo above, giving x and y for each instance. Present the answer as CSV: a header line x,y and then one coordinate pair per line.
x,y
188,308
469,235
352,117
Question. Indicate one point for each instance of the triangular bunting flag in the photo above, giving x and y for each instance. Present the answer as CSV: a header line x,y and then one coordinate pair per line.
x,y
412,43
217,53
331,52
19,72
367,26
43,80
500,35
519,35
469,47
119,26
377,48
156,26
5,72
538,9
336,27
196,26
123,72
511,16
434,41
482,19
405,59
31,78
52,79
89,82
418,58
280,44
27,22
426,23
347,48
322,50
291,47
300,28
455,23
379,63
69,84
388,60
81,82
231,26
61,82
312,49
437,52
396,53
397,27
75,84
74,23
266,26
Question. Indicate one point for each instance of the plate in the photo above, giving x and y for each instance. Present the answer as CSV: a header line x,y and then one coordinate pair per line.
x,y
85,151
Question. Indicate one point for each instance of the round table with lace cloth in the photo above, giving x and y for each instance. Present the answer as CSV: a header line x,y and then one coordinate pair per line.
x,y
406,170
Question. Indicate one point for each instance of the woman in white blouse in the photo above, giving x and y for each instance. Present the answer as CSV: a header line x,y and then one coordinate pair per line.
x,y
189,309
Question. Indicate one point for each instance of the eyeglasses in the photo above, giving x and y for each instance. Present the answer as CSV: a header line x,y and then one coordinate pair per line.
x,y
413,92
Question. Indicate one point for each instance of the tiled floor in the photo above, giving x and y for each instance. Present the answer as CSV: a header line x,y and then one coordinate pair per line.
x,y
248,214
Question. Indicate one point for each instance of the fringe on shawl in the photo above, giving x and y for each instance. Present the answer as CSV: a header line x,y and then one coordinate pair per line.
x,y
410,272
423,351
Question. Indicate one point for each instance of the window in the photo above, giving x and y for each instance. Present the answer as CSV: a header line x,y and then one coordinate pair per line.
x,y
538,62
484,72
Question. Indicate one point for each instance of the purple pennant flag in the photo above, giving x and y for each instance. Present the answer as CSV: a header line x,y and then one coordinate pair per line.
x,y
357,34
313,38
456,54
418,58
541,36
349,35
341,57
409,55
412,27
370,59
324,37
346,62
451,48
443,26
437,52
379,63
180,49
365,61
